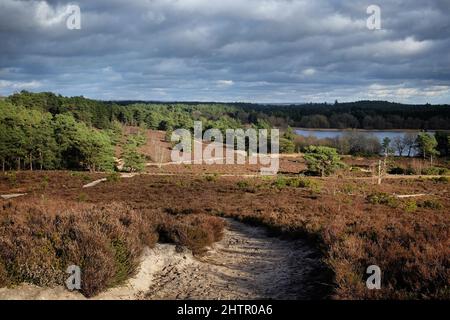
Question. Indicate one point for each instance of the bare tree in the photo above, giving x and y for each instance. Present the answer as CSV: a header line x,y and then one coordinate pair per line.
x,y
399,144
409,140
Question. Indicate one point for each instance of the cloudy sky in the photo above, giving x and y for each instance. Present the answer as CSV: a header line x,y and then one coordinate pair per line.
x,y
233,50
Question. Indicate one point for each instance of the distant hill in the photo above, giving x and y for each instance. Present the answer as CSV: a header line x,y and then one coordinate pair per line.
x,y
163,115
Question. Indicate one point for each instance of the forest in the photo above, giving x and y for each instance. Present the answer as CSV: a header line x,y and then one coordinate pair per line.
x,y
50,131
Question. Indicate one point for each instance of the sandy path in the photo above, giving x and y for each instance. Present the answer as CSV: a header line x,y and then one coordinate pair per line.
x,y
245,264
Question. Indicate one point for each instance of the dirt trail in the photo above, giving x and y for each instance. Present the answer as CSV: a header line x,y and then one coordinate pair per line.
x,y
245,264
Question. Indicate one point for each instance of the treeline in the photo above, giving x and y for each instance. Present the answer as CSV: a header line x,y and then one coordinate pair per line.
x,y
379,115
33,139
166,116
49,131
102,115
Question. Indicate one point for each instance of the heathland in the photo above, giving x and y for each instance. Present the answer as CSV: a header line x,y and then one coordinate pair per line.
x,y
363,206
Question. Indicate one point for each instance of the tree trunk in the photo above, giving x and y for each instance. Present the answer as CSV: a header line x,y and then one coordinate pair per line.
x,y
3,165
379,171
31,163
18,164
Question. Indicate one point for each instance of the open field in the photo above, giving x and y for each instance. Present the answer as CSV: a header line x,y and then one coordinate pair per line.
x,y
353,222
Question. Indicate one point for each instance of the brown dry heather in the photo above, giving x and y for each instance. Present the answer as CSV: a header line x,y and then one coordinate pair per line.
x,y
355,223
40,239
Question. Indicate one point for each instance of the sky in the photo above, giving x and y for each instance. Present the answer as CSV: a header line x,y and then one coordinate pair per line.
x,y
277,51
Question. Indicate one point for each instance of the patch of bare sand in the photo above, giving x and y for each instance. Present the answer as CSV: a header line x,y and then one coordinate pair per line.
x,y
245,264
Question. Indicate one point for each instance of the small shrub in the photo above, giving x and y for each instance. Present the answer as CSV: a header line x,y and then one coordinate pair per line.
x,y
45,182
411,206
243,185
4,281
432,171
431,204
82,197
12,179
382,198
396,170
400,170
193,231
113,177
310,184
211,177
280,182
83,176
348,188
410,171
176,212
442,180
123,263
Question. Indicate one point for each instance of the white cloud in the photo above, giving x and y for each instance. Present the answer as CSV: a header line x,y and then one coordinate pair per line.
x,y
402,92
224,83
309,72
19,85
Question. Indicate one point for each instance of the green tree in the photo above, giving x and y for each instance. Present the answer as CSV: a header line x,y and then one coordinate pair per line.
x,y
427,144
96,150
133,160
386,145
322,160
287,146
289,134
443,140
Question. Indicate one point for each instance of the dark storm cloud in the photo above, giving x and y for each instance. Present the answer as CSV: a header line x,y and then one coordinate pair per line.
x,y
253,50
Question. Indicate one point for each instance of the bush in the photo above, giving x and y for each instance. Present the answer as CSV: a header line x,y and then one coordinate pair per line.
x,y
396,170
322,160
104,241
411,206
211,177
382,198
82,197
113,177
435,171
195,231
442,180
431,204
12,179
245,186
400,170
280,182
4,281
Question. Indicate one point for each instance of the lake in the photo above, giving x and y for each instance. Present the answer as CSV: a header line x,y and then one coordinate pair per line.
x,y
380,134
